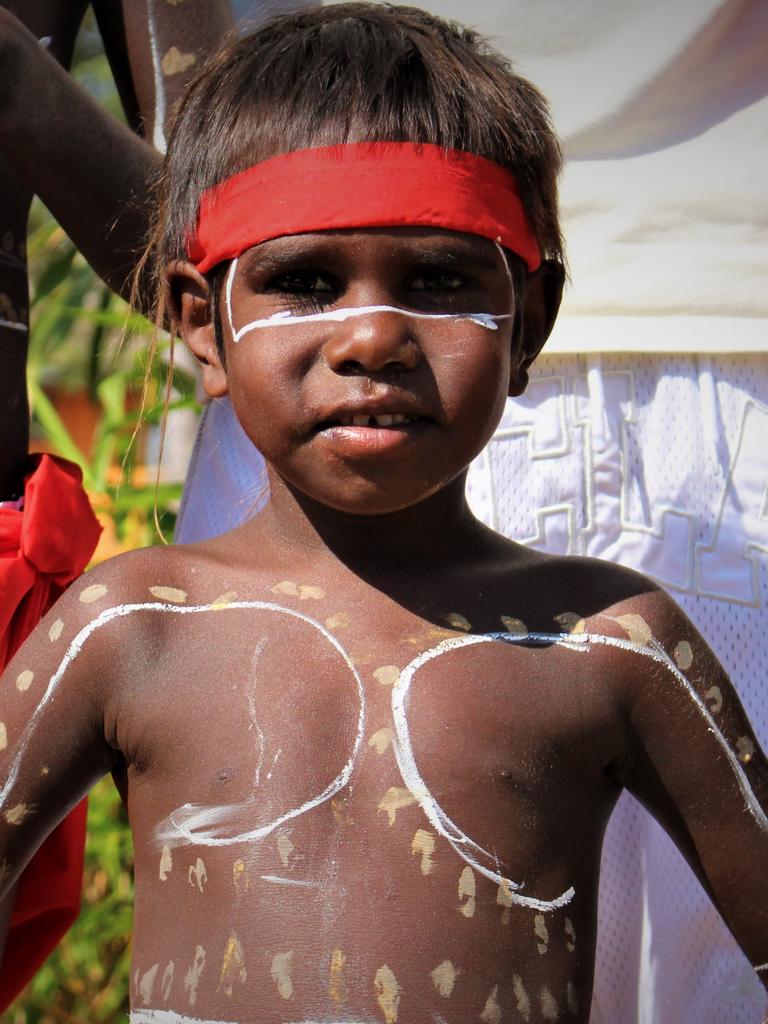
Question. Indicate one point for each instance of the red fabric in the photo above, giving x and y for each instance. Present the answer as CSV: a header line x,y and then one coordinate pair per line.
x,y
42,549
358,185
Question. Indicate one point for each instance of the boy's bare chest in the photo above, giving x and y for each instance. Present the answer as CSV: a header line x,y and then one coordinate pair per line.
x,y
267,702
305,777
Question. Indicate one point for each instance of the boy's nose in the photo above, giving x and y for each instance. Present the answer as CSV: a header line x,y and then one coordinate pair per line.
x,y
372,342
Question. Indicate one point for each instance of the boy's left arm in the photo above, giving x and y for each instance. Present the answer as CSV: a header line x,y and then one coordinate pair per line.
x,y
694,761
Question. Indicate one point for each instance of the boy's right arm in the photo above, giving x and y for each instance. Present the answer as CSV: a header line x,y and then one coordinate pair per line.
x,y
54,745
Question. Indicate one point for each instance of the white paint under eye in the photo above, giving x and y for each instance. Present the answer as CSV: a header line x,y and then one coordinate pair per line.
x,y
285,318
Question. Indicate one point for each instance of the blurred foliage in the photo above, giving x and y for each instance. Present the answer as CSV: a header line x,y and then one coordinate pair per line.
x,y
86,979
85,340
79,345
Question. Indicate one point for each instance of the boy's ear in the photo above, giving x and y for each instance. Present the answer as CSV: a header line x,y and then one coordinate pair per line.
x,y
535,320
189,302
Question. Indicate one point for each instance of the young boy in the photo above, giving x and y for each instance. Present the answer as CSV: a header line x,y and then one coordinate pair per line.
x,y
380,794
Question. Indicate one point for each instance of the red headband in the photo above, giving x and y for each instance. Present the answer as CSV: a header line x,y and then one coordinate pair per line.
x,y
361,185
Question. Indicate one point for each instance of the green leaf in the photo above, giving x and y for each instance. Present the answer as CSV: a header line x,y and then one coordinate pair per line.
x,y
53,425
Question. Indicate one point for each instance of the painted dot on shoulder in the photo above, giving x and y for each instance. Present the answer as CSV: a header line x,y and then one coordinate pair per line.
x,y
458,621
745,748
56,630
171,594
223,600
338,621
715,696
387,675
683,655
636,628
24,680
175,61
571,622
516,627
3,736
15,815
93,593
287,587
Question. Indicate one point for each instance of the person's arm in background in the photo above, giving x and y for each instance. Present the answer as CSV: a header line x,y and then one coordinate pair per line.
x,y
94,175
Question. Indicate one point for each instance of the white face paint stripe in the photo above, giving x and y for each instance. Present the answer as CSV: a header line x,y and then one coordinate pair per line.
x,y
201,817
285,318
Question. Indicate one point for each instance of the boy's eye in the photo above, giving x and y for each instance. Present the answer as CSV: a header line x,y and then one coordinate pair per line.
x,y
437,281
302,282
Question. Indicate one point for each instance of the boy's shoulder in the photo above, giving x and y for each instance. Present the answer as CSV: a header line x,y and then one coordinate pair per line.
x,y
583,595
146,574
110,592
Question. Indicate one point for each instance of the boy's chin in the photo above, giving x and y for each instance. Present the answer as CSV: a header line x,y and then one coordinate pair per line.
x,y
369,503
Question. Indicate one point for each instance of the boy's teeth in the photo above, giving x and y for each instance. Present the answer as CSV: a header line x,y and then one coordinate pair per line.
x,y
383,420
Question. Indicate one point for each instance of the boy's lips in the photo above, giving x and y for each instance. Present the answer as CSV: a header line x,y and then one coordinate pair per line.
x,y
371,427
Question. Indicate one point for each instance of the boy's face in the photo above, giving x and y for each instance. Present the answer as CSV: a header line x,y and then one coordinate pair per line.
x,y
373,413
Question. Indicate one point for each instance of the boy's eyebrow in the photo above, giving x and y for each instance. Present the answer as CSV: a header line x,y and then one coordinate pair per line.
x,y
456,249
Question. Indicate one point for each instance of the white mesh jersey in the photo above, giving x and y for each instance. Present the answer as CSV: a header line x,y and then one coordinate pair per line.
x,y
657,463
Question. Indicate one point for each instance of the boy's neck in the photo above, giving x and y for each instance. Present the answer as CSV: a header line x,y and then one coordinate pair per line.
x,y
437,528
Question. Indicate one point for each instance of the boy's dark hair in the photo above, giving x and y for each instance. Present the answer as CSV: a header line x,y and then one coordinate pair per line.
x,y
355,72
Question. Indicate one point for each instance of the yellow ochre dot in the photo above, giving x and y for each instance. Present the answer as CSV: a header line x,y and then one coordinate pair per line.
x,y
24,680
92,593
172,594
